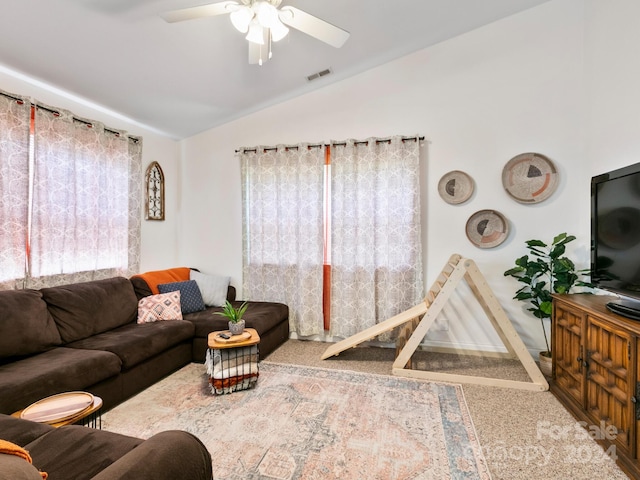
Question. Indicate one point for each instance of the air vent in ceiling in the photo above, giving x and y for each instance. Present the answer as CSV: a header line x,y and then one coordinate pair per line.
x,y
316,75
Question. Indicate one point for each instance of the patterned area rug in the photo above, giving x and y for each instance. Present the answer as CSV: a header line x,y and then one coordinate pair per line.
x,y
312,423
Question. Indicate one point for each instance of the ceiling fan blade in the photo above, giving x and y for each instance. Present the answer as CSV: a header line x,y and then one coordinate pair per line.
x,y
210,10
313,26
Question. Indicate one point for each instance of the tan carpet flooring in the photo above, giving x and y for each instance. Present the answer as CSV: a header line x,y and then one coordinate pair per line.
x,y
524,435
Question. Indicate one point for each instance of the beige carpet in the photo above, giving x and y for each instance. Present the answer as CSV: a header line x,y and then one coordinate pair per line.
x,y
524,435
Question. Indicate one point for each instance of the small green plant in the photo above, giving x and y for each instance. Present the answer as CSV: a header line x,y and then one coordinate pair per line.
x,y
234,315
545,272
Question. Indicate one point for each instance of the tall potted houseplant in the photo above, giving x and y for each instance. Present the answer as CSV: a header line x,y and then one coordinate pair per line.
x,y
234,316
545,270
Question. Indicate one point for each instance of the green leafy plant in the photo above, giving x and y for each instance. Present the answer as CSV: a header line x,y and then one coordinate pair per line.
x,y
234,315
544,271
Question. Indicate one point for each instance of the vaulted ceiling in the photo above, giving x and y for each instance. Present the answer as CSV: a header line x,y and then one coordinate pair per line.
x,y
183,78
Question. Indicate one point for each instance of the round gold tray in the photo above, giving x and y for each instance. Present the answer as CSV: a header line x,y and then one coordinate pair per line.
x,y
233,338
57,408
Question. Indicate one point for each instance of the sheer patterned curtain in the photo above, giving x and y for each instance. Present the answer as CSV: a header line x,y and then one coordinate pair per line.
x,y
14,189
86,190
282,231
375,232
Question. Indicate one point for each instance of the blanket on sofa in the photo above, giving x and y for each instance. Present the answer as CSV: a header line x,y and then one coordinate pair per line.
x,y
8,448
170,275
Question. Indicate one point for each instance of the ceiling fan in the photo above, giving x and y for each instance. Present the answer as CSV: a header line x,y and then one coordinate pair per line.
x,y
264,22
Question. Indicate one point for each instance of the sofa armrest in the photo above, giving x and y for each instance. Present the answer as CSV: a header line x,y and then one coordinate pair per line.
x,y
165,456
21,432
231,294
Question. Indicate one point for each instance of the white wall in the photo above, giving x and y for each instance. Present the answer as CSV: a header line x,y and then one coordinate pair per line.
x,y
559,79
613,78
159,239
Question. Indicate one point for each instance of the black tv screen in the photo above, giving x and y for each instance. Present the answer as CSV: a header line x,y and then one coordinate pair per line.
x,y
615,237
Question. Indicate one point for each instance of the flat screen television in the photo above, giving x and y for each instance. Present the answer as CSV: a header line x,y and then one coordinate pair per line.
x,y
615,237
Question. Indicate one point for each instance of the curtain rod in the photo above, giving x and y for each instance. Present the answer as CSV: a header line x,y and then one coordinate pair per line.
x,y
319,145
75,119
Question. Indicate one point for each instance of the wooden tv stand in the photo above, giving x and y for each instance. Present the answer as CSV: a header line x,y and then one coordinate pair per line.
x,y
596,373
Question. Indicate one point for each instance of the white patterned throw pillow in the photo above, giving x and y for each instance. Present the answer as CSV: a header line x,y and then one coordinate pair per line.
x,y
164,306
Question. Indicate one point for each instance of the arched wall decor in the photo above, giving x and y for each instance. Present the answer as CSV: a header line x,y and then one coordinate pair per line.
x,y
154,200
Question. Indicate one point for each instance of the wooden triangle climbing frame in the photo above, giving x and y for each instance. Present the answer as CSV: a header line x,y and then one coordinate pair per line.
x,y
417,320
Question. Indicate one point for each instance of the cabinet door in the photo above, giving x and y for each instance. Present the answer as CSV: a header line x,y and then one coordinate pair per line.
x,y
609,381
636,400
568,351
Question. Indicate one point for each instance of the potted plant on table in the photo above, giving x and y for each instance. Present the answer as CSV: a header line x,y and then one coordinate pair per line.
x,y
544,272
234,315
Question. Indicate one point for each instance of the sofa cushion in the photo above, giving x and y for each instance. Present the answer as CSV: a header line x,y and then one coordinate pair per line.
x,y
171,454
75,452
84,309
155,308
190,296
156,277
26,326
19,431
59,370
135,343
14,467
262,316
213,288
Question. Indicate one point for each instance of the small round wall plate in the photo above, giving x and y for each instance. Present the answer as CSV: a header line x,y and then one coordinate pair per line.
x,y
455,187
487,228
530,178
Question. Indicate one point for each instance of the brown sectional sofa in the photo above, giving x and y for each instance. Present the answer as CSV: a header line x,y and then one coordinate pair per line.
x,y
79,453
85,337
270,319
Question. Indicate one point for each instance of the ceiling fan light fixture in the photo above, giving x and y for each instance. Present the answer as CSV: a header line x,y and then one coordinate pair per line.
x,y
241,18
285,15
264,22
256,33
266,13
278,31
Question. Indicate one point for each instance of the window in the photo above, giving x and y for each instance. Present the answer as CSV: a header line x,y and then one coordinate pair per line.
x,y
14,188
333,231
78,214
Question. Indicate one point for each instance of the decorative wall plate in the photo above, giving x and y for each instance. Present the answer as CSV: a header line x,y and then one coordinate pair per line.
x,y
487,228
530,178
455,187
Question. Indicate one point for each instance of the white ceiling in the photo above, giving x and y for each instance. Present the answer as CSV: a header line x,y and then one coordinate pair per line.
x,y
183,78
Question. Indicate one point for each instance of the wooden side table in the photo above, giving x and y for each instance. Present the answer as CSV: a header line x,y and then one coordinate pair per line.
x,y
232,363
90,416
